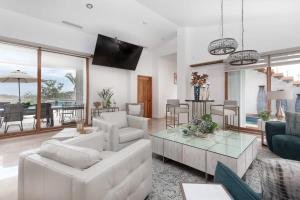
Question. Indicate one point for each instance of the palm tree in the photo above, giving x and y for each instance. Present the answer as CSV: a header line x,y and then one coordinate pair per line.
x,y
72,79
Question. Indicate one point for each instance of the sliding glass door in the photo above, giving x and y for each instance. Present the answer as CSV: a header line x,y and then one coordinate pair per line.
x,y
63,95
63,89
18,88
248,87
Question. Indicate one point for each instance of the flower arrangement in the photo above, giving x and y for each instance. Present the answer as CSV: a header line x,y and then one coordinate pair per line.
x,y
106,95
198,79
201,127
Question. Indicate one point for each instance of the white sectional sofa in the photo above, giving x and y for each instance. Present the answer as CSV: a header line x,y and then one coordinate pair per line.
x,y
126,174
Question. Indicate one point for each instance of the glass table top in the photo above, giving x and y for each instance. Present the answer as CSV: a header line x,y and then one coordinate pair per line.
x,y
227,143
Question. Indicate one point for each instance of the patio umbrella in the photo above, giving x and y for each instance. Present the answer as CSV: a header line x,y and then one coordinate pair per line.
x,y
17,77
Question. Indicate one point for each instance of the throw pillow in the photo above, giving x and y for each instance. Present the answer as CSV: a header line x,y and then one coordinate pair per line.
x,y
73,156
134,109
280,179
293,123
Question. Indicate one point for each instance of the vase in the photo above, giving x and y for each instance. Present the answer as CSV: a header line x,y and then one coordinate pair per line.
x,y
284,104
297,104
196,93
261,103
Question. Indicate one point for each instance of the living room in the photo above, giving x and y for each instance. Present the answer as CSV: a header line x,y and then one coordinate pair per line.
x,y
183,110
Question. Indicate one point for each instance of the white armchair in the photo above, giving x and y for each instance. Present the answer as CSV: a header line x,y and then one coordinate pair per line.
x,y
121,129
126,174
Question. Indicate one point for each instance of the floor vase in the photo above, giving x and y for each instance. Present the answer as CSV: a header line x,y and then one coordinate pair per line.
x,y
261,103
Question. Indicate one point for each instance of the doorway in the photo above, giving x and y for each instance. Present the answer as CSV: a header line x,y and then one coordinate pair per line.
x,y
145,94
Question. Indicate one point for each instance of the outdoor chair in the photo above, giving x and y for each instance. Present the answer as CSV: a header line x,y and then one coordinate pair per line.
x,y
2,111
13,113
45,114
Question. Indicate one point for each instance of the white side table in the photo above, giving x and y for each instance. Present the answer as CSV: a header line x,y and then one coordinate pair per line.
x,y
193,191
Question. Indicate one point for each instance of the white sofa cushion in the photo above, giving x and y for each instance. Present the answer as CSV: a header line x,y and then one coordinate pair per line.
x,y
134,109
73,156
118,118
93,140
128,134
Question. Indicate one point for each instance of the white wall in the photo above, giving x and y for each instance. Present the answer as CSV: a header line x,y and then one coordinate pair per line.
x,y
253,79
16,26
122,82
266,34
167,89
216,78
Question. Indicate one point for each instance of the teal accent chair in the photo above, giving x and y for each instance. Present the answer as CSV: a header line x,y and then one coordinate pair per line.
x,y
280,143
237,188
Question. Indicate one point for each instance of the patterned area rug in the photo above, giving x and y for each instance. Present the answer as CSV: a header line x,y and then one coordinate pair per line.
x,y
168,176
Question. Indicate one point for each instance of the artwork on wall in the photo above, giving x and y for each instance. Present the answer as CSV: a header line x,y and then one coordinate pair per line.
x,y
175,78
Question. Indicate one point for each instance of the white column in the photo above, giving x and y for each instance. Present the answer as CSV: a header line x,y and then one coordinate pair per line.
x,y
182,64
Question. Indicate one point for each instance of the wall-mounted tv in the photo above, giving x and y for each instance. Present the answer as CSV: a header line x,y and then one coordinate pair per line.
x,y
112,52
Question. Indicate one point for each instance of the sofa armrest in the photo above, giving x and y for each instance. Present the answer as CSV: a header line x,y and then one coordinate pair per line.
x,y
138,122
110,131
274,128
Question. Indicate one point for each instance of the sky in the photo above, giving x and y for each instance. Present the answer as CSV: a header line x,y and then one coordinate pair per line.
x,y
47,74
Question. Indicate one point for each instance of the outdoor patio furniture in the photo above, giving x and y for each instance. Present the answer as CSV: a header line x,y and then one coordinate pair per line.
x,y
1,111
70,112
46,112
13,113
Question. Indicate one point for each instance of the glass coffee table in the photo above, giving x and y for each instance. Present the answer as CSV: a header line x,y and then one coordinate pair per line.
x,y
236,150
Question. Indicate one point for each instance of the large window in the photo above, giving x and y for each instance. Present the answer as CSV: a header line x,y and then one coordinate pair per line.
x,y
248,87
63,89
256,86
18,88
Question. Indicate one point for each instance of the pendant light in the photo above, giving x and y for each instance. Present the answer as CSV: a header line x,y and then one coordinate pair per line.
x,y
243,57
222,46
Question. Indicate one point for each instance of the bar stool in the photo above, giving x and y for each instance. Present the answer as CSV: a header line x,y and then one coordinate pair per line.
x,y
173,110
229,110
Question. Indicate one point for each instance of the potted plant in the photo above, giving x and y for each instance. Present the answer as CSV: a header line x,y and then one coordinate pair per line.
x,y
265,115
106,95
198,81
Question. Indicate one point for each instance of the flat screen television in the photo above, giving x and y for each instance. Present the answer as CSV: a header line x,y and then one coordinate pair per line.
x,y
111,52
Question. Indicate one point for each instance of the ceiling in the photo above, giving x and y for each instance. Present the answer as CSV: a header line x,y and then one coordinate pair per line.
x,y
148,22
187,13
126,19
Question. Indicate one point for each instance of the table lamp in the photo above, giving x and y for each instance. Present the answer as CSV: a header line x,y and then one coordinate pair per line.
x,y
280,95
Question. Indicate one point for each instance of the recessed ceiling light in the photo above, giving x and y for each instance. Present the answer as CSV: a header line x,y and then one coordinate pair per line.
x,y
89,5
